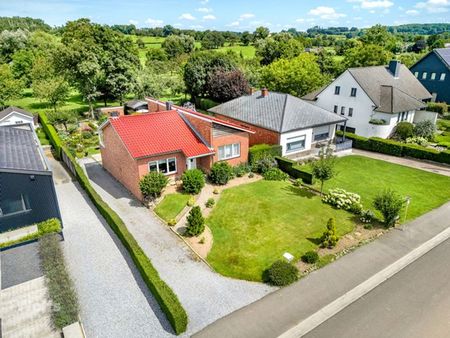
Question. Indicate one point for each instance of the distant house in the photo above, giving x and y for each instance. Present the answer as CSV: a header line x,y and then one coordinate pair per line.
x,y
169,139
136,106
281,119
27,192
375,99
433,71
13,115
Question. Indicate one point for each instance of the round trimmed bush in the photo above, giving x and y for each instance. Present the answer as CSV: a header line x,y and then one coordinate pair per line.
x,y
152,184
310,257
281,273
404,130
193,181
275,174
221,173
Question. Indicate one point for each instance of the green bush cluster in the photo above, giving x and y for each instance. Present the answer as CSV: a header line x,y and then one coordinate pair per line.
x,y
330,238
310,257
152,184
241,169
292,169
221,173
196,222
262,157
399,149
210,202
281,273
166,298
404,129
389,203
438,107
59,284
275,174
193,181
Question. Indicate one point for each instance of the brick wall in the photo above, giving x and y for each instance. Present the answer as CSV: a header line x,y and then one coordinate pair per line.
x,y
260,136
109,110
142,164
239,137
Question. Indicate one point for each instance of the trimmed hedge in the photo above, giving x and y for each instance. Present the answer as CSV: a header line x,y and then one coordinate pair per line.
x,y
167,299
290,167
260,150
51,133
398,149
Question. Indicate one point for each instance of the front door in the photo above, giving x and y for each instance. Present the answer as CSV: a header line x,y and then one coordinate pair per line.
x,y
192,163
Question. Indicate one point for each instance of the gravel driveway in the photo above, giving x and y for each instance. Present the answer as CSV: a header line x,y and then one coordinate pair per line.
x,y
113,298
206,295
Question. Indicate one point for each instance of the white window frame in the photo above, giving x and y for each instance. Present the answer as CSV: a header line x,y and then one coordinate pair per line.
x,y
167,164
433,76
416,74
296,139
442,77
424,75
234,153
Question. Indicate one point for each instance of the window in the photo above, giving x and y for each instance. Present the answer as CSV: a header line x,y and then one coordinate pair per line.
x,y
166,166
335,109
353,92
295,143
350,112
433,76
442,77
342,110
416,74
100,138
337,90
322,136
229,151
424,75
14,206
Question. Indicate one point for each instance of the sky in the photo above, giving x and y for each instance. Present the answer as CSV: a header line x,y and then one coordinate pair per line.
x,y
235,15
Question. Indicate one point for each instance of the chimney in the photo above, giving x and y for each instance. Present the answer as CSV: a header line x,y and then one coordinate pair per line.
x,y
394,67
169,105
264,92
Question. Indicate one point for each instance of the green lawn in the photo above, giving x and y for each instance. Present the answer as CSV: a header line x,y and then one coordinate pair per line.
x,y
171,206
254,224
367,177
444,138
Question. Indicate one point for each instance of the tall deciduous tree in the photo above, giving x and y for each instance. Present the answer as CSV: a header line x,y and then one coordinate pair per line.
x,y
175,45
367,55
282,45
261,33
223,85
212,40
10,88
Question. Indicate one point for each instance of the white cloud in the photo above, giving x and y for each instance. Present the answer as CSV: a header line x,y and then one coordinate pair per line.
x,y
187,16
233,24
134,22
154,22
209,17
246,16
204,10
412,12
196,27
434,6
367,4
326,13
204,2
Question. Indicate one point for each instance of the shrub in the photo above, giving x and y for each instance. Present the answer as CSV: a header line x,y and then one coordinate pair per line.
x,y
275,174
294,170
52,225
389,203
191,201
172,222
389,147
329,238
377,121
310,257
421,141
438,107
281,273
221,173
210,202
196,222
403,130
298,182
367,216
343,199
241,169
193,181
258,151
251,175
263,164
425,129
152,184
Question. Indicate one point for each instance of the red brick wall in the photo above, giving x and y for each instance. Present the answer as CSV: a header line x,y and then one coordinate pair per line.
x,y
260,136
239,137
205,162
202,126
142,164
118,161
109,110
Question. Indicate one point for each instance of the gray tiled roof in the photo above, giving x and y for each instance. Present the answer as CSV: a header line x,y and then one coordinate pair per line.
x,y
9,110
278,112
19,149
444,54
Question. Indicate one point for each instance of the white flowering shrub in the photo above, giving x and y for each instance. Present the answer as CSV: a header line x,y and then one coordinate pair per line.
x,y
367,216
342,199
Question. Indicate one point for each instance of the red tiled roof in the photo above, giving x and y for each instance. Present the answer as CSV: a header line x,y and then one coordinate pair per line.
x,y
158,133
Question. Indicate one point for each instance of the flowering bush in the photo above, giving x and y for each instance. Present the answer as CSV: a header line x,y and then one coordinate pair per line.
x,y
342,199
421,141
367,216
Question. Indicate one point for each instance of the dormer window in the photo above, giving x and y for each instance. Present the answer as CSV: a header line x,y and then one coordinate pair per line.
x,y
337,90
353,92
424,75
442,78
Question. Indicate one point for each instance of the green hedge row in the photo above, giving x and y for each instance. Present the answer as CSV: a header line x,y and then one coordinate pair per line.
x,y
165,296
290,167
258,151
399,149
51,133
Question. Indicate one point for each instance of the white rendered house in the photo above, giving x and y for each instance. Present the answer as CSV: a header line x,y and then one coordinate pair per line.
x,y
375,99
13,115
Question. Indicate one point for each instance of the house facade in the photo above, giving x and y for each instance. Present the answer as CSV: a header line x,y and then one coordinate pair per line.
x,y
375,99
27,191
283,119
13,115
168,141
433,71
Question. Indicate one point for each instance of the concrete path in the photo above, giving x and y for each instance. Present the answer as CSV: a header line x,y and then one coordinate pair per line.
x,y
415,303
285,309
206,296
408,162
114,300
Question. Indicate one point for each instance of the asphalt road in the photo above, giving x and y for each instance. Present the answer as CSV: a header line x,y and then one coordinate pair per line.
x,y
413,303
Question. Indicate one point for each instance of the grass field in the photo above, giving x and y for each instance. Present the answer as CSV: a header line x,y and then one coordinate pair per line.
x,y
254,224
367,177
443,138
171,206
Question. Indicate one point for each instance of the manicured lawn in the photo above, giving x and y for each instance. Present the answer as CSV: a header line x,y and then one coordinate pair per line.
x,y
171,206
254,224
444,138
367,177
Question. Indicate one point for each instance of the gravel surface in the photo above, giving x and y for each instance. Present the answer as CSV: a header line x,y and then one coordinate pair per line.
x,y
113,298
206,295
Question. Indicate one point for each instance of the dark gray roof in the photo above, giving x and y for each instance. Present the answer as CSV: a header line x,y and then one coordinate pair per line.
x,y
444,54
9,110
278,112
19,149
134,104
